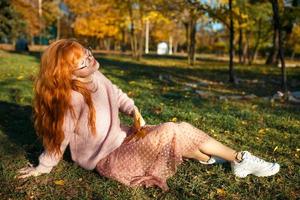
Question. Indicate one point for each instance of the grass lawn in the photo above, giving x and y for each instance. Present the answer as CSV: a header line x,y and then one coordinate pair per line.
x,y
270,130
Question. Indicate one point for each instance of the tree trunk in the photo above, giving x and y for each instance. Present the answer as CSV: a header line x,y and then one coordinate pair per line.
x,y
133,39
141,38
58,28
147,37
107,44
250,51
257,43
192,50
170,45
187,35
245,52
123,42
231,48
240,44
175,47
277,27
293,55
273,56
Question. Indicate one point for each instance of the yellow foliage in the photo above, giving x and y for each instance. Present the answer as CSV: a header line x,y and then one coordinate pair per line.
x,y
97,19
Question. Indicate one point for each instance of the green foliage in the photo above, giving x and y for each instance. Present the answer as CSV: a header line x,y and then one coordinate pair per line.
x,y
11,26
268,130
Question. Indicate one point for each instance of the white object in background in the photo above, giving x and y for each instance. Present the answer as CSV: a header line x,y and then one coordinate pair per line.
x,y
162,48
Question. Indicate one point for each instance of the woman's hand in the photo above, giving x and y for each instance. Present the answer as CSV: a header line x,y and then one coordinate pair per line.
x,y
139,122
32,171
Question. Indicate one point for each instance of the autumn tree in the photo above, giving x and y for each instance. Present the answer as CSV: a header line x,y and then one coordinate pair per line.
x,y
98,20
172,31
11,26
28,10
187,13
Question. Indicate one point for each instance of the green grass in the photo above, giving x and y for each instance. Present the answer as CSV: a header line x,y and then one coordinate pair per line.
x,y
269,130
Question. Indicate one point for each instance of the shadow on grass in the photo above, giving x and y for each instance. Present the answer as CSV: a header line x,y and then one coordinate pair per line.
x,y
16,122
265,84
261,80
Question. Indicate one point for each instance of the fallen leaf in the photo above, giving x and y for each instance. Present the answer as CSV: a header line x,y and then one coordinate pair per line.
x,y
221,191
59,182
244,122
262,131
130,94
157,110
174,119
20,77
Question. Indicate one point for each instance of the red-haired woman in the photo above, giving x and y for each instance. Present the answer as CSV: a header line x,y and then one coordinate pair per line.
x,y
77,105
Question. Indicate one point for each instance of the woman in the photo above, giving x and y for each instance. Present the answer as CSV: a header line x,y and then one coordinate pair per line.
x,y
76,105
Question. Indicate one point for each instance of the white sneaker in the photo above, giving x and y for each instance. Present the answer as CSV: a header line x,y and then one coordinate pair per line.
x,y
251,164
213,160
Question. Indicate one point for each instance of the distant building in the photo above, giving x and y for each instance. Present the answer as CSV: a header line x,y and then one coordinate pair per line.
x,y
162,48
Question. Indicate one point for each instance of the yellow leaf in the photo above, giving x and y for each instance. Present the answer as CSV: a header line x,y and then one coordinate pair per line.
x,y
221,191
174,119
20,77
275,148
59,182
130,94
262,131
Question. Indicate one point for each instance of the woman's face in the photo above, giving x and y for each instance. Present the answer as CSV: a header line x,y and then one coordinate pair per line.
x,y
87,64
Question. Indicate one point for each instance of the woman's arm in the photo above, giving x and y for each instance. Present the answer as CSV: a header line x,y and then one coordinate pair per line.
x,y
126,104
48,160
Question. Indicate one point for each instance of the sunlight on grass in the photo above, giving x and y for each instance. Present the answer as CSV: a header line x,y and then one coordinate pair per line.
x,y
271,131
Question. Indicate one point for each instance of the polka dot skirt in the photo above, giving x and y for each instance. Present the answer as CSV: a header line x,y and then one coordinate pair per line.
x,y
151,160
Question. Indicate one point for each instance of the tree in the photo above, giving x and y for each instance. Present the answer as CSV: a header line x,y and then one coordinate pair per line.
x,y
278,40
11,26
220,12
187,13
231,48
97,20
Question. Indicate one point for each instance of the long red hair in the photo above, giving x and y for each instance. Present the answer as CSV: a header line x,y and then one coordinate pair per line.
x,y
53,87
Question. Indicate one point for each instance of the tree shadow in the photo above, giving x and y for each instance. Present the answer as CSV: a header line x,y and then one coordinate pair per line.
x,y
266,81
263,84
17,124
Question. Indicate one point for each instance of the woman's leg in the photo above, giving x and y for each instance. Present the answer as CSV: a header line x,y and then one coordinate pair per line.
x,y
209,147
198,155
243,163
214,148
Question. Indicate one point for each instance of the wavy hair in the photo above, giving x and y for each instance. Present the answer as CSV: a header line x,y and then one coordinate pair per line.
x,y
52,89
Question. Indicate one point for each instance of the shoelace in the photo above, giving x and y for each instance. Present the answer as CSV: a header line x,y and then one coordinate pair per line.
x,y
256,159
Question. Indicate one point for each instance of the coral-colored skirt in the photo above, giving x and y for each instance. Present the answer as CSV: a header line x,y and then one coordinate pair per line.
x,y
151,160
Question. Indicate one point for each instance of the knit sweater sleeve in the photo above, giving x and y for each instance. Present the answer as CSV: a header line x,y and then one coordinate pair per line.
x,y
48,160
126,104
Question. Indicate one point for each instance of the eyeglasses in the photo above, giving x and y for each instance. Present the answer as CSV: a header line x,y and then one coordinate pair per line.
x,y
89,55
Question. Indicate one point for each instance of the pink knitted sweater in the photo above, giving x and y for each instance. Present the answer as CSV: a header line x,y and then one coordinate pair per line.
x,y
87,149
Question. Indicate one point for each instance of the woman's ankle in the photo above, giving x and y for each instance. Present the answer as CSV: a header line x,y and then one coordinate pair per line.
x,y
239,156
